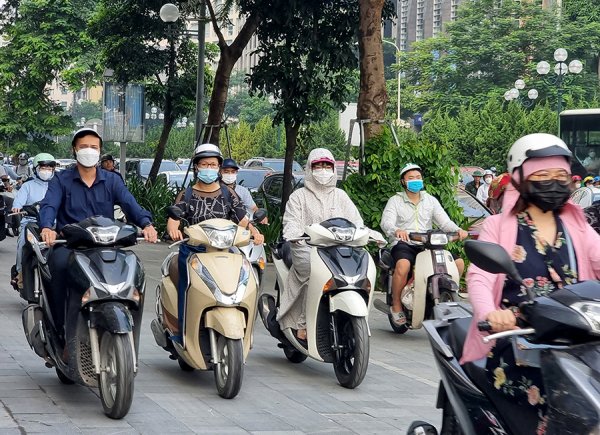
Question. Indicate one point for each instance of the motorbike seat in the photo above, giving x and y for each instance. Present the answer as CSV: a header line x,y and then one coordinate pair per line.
x,y
174,269
286,254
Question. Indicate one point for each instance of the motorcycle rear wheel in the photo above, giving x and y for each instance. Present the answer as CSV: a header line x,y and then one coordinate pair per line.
x,y
116,376
448,296
352,360
229,372
63,378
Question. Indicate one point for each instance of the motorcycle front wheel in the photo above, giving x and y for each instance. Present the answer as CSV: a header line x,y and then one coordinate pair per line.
x,y
448,296
352,358
116,375
229,367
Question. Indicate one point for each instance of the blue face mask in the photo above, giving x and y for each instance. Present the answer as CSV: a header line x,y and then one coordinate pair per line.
x,y
207,175
414,186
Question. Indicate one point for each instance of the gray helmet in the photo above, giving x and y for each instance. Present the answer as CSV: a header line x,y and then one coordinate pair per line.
x,y
207,150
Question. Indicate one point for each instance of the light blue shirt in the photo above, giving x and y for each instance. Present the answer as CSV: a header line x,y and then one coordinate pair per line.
x,y
31,192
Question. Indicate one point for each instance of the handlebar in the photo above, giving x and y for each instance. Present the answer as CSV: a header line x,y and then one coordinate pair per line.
x,y
56,242
484,326
179,242
511,333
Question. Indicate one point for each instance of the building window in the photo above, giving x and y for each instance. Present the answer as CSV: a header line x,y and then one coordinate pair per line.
x,y
230,29
64,91
420,19
403,22
453,10
63,104
437,18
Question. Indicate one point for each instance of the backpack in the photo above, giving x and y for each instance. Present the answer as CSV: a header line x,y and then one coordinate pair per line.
x,y
224,191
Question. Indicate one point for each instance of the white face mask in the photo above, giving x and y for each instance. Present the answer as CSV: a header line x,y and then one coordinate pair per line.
x,y
46,174
592,154
323,176
488,180
88,157
229,178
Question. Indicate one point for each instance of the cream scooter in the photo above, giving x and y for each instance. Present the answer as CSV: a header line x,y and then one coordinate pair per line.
x,y
220,303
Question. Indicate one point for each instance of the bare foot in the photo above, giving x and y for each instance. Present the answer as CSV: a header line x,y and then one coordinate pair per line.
x,y
302,334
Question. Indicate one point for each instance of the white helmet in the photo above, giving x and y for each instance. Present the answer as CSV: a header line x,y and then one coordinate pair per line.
x,y
535,145
409,167
207,150
488,172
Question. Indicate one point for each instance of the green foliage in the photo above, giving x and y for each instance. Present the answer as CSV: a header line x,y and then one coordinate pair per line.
x,y
273,231
324,134
483,137
44,38
87,109
154,197
383,163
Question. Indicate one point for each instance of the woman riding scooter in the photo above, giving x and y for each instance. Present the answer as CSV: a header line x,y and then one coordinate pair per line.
x,y
552,245
207,199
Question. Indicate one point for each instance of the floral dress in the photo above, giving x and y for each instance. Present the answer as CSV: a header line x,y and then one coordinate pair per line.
x,y
545,268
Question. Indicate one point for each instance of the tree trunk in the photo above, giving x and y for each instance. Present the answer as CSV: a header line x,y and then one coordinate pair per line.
x,y
162,144
373,95
230,54
291,138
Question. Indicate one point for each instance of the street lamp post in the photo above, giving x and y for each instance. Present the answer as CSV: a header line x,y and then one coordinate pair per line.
x,y
169,13
515,94
560,79
399,74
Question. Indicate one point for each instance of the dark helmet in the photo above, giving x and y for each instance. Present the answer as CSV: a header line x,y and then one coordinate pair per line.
x,y
207,150
23,156
106,158
229,163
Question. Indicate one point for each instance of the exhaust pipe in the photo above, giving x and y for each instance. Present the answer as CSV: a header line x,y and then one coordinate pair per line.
x,y
381,306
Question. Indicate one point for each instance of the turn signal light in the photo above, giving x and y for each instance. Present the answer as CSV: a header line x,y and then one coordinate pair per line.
x,y
368,284
86,296
329,285
136,294
261,263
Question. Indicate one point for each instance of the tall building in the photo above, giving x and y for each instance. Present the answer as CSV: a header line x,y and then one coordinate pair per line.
x,y
422,19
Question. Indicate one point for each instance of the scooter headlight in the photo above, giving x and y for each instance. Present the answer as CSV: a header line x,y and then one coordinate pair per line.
x,y
212,285
343,234
104,235
220,238
438,239
591,313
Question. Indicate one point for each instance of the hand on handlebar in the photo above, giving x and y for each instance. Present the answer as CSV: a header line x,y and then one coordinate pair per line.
x,y
402,235
463,234
16,210
48,236
259,239
175,235
150,234
502,320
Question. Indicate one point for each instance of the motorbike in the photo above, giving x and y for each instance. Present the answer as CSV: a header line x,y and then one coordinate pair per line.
x,y
435,280
559,333
29,212
338,299
257,257
105,287
220,302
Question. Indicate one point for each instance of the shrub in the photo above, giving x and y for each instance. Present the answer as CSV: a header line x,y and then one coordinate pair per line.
x,y
154,197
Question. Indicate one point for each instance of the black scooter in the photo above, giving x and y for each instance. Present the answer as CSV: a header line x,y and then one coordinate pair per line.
x,y
105,297
560,334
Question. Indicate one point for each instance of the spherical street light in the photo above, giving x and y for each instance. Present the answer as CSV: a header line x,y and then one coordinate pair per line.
x,y
560,55
520,84
543,68
507,96
514,93
169,13
560,69
154,110
153,116
575,67
184,120
147,116
161,116
82,120
532,94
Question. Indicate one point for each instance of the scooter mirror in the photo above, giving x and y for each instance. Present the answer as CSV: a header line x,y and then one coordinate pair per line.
x,y
492,258
259,215
175,212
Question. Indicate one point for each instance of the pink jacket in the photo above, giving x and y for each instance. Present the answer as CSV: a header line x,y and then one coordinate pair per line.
x,y
485,289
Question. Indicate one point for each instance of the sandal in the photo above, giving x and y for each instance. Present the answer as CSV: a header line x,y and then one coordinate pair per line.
x,y
302,341
399,318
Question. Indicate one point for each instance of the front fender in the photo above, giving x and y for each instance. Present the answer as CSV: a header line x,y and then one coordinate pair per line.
x,y
349,302
112,317
229,322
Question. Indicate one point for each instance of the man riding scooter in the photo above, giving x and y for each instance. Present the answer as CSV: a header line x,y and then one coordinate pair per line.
x,y
78,193
31,193
412,211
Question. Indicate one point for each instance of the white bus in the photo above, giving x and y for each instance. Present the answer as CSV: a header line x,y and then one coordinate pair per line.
x,y
580,129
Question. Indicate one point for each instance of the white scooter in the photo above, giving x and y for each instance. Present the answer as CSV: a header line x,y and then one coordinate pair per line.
x,y
338,300
435,280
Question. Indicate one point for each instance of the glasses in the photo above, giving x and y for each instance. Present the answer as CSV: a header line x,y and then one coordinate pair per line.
x,y
547,178
208,166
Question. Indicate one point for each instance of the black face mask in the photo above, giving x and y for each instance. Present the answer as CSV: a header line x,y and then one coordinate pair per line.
x,y
547,196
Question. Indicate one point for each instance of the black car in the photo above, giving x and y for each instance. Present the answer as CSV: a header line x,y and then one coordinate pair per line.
x,y
141,167
271,188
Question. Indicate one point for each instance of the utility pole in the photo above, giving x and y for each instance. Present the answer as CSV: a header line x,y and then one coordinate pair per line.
x,y
200,77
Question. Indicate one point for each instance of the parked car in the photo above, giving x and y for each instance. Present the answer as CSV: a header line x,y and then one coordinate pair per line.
x,y
465,174
252,178
141,167
586,196
271,188
184,163
275,164
176,179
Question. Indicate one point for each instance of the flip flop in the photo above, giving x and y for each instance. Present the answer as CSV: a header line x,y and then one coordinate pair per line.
x,y
302,341
399,318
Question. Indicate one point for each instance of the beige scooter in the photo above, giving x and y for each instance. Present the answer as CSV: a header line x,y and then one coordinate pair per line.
x,y
220,306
